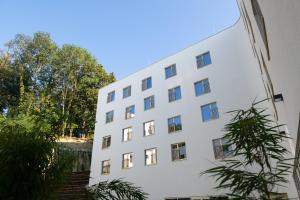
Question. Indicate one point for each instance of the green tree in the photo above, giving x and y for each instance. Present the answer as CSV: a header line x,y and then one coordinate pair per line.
x,y
59,84
31,167
259,163
116,190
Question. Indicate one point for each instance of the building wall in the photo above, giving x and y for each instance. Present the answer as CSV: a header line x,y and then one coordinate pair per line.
x,y
282,25
242,70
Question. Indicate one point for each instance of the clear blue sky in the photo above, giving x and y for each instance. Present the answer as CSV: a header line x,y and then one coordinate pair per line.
x,y
124,35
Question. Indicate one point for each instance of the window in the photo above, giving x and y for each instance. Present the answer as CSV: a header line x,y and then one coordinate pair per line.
x,y
149,128
127,161
170,71
260,23
146,83
106,142
126,92
149,102
130,112
110,96
150,156
109,116
203,59
105,167
174,94
178,151
221,148
174,124
202,87
127,134
209,112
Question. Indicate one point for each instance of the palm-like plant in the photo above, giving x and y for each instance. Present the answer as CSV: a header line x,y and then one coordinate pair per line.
x,y
117,189
259,163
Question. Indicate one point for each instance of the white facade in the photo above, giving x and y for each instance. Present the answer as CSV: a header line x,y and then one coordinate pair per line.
x,y
235,81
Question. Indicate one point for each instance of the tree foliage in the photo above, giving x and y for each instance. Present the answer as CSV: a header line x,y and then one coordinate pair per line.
x,y
60,84
115,190
31,167
259,164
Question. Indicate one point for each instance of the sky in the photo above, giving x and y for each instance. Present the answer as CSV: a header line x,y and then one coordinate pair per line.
x,y
124,35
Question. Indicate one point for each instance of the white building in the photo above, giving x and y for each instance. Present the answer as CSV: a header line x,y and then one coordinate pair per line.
x,y
161,126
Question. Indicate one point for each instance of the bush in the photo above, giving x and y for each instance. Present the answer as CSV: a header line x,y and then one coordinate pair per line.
x,y
30,166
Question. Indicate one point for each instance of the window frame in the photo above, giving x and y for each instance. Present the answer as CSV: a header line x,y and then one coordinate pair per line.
x,y
130,134
152,102
172,94
105,166
106,117
130,160
149,126
104,141
110,96
225,153
203,64
202,87
145,83
130,114
174,124
128,92
210,119
173,71
145,156
178,149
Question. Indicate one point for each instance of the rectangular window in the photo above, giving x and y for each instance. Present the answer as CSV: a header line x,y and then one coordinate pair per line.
x,y
170,71
209,112
174,94
146,83
149,102
127,161
109,116
126,92
202,87
174,124
203,60
127,134
222,149
149,128
110,96
150,156
178,151
130,112
105,167
106,142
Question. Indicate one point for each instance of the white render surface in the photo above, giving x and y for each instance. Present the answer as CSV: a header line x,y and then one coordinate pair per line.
x,y
235,82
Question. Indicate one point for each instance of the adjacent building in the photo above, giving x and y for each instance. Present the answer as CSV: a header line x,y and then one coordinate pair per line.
x,y
161,126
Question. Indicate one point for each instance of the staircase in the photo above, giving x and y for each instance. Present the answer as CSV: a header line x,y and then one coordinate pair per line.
x,y
74,188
